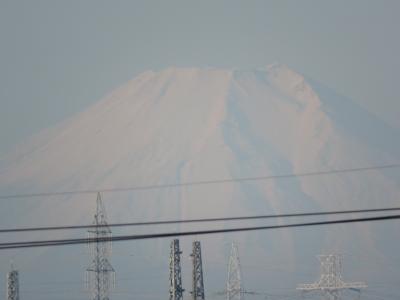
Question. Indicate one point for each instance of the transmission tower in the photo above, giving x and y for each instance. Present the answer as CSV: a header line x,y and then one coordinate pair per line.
x,y
331,284
197,276
234,290
175,278
100,275
12,284
234,286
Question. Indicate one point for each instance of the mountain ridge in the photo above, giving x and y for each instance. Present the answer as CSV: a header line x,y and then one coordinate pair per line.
x,y
186,125
275,96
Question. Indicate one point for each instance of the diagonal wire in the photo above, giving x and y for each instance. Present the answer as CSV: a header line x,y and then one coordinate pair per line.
x,y
165,222
199,183
64,242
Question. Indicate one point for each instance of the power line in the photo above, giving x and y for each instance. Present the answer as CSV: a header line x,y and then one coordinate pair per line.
x,y
64,242
198,183
241,218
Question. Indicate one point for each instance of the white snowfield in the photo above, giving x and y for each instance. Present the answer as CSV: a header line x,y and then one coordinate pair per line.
x,y
187,124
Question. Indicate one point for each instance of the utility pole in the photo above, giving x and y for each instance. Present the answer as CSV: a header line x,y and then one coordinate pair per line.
x,y
331,284
12,284
197,276
234,290
175,275
100,275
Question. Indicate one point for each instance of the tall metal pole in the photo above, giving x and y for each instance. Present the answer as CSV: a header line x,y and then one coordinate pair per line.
x,y
100,275
197,275
12,284
234,290
175,276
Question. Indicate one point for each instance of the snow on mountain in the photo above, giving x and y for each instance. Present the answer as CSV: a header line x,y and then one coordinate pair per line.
x,y
194,124
187,124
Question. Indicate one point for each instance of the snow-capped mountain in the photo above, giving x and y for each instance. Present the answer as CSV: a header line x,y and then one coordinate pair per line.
x,y
182,125
185,125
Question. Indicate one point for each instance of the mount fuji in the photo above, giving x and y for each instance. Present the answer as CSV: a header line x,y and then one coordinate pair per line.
x,y
202,124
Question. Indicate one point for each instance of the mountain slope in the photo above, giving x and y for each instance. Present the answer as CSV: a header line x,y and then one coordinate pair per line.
x,y
210,123
185,125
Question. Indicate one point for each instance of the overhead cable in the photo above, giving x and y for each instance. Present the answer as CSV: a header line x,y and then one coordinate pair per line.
x,y
64,242
204,220
199,183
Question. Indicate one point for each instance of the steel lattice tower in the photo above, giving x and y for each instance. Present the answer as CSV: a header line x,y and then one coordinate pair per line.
x,y
100,275
197,276
175,277
330,283
12,284
234,290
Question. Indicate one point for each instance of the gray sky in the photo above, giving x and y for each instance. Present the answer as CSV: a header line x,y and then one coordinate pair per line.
x,y
58,57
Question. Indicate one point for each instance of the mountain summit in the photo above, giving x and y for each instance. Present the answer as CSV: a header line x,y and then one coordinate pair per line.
x,y
198,124
189,124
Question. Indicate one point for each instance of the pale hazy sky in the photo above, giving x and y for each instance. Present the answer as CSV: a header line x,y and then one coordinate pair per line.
x,y
58,57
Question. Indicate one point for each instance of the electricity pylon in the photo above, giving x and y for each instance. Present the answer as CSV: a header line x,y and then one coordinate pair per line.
x,y
175,275
234,290
234,285
197,276
100,275
330,284
12,284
